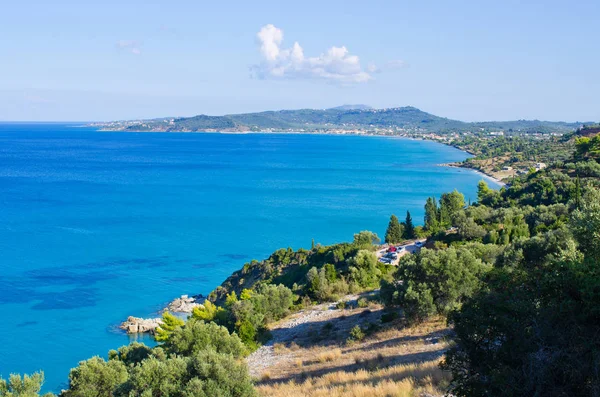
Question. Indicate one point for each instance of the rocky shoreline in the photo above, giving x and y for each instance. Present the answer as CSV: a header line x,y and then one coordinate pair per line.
x,y
183,304
135,325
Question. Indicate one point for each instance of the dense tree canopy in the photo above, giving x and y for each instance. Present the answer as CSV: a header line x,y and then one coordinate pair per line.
x,y
533,329
23,386
196,359
434,282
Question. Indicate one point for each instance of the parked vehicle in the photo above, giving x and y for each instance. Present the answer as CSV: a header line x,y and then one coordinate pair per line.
x,y
419,244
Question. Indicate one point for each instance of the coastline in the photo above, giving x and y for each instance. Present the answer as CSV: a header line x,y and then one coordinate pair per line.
x,y
197,299
486,176
183,305
483,174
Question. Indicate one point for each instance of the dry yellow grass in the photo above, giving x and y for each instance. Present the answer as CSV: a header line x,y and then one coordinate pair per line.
x,y
294,346
400,380
281,348
329,356
392,360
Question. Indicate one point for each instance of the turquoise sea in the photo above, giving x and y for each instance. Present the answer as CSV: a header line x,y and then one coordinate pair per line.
x,y
96,226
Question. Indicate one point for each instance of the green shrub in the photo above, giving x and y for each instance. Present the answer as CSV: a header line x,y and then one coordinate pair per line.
x,y
205,374
356,334
170,322
131,354
247,333
325,285
272,301
434,281
366,239
96,377
417,302
362,302
196,336
364,271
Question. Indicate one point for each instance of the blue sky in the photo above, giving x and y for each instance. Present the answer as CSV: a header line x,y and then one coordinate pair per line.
x,y
468,60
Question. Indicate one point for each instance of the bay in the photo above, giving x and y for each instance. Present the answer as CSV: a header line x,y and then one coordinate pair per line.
x,y
96,226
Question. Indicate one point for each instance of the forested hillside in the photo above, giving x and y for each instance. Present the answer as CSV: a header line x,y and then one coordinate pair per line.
x,y
384,121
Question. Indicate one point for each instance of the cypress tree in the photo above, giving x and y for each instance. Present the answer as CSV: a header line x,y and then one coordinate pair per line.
x,y
394,231
432,222
409,227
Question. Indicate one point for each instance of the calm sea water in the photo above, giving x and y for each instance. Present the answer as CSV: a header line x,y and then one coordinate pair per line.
x,y
97,226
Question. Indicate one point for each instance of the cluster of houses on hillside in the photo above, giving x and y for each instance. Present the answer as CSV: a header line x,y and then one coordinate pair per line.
x,y
522,171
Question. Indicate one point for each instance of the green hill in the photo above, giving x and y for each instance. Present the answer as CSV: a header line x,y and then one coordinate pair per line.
x,y
346,117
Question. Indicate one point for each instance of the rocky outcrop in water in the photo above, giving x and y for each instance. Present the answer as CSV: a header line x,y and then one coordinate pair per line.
x,y
185,304
134,325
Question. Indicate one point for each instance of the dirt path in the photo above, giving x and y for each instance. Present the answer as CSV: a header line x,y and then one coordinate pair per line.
x,y
294,328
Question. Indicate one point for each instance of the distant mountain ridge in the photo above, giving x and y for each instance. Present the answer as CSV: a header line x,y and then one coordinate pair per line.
x,y
352,107
352,118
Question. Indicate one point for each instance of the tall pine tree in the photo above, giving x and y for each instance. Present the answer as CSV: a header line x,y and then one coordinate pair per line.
x,y
432,223
409,227
394,231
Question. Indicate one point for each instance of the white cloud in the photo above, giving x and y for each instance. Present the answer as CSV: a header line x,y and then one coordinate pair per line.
x,y
270,39
335,65
132,46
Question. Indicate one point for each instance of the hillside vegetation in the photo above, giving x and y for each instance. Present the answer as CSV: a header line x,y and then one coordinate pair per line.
x,y
508,155
349,118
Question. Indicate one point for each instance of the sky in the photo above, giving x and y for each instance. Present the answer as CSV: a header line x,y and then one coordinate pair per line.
x,y
89,60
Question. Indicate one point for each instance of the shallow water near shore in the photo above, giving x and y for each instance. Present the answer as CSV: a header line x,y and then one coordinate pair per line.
x,y
96,226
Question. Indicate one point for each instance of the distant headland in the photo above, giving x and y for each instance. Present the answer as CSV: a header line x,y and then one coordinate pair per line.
x,y
345,119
